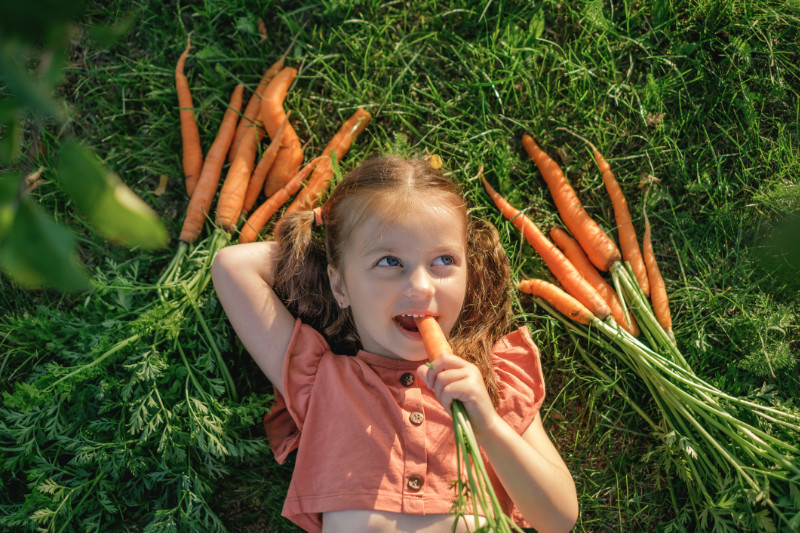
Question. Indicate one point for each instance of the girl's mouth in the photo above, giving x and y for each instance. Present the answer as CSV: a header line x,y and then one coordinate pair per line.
x,y
407,323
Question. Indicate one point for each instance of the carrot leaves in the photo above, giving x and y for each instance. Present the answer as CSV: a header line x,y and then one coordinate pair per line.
x,y
124,395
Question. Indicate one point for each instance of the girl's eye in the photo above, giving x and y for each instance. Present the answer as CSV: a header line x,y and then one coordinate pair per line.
x,y
444,260
389,261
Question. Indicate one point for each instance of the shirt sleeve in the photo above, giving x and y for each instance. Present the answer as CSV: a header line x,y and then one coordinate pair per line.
x,y
284,423
519,378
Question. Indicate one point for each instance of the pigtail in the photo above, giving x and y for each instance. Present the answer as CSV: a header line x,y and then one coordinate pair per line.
x,y
301,281
486,314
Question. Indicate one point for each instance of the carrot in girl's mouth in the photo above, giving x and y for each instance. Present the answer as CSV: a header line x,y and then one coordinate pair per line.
x,y
433,338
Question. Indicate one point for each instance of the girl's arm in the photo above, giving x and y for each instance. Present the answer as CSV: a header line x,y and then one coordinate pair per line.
x,y
533,473
528,465
242,276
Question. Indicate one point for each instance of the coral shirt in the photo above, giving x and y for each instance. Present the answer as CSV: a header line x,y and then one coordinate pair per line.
x,y
370,435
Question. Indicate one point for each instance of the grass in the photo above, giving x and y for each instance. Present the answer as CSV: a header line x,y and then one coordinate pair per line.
x,y
695,104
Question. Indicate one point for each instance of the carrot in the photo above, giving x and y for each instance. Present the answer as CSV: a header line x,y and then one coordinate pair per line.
x,y
558,264
290,156
625,230
598,246
577,257
339,144
433,338
190,136
250,117
559,299
265,211
658,292
260,172
231,197
203,195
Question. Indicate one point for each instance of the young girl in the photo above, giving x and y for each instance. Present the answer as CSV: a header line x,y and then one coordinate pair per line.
x,y
327,312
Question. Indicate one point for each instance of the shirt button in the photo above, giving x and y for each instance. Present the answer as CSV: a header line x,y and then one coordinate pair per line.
x,y
415,482
417,418
407,379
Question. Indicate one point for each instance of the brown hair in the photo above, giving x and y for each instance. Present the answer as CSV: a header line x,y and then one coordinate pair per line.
x,y
387,185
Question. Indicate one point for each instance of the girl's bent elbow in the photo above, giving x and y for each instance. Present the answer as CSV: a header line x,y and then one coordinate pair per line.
x,y
219,264
571,515
226,262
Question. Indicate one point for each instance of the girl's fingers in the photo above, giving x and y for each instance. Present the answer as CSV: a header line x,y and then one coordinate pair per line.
x,y
425,372
450,382
450,377
428,372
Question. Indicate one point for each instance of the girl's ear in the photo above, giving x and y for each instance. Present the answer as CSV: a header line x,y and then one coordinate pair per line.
x,y
338,287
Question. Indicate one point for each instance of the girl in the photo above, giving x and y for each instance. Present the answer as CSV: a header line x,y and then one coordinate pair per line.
x,y
376,450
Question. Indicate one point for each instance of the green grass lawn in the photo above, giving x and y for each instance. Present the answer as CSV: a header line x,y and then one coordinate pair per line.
x,y
695,104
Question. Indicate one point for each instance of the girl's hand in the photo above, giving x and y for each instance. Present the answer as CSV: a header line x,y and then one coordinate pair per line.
x,y
453,378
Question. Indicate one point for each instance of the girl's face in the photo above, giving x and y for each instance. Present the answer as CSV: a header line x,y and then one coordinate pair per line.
x,y
391,271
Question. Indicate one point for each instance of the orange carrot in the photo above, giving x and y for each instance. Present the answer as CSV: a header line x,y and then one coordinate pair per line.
x,y
265,211
190,136
321,179
625,230
248,122
598,246
203,195
290,156
433,338
262,31
559,299
577,257
250,117
260,173
231,197
558,264
658,292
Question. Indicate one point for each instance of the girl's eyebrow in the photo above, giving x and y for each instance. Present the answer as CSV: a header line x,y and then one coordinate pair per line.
x,y
377,249
380,249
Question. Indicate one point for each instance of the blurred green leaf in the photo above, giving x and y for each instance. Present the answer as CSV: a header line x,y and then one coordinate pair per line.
x,y
9,109
30,92
9,195
37,251
38,21
107,35
11,141
111,207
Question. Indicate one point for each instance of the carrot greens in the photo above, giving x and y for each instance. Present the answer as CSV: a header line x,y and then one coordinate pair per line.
x,y
734,455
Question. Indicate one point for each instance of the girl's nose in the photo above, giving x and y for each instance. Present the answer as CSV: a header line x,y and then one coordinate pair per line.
x,y
420,284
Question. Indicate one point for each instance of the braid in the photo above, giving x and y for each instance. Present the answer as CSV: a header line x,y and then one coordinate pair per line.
x,y
301,281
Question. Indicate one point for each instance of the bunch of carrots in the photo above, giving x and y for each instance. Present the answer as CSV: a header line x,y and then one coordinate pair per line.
x,y
739,473
278,172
